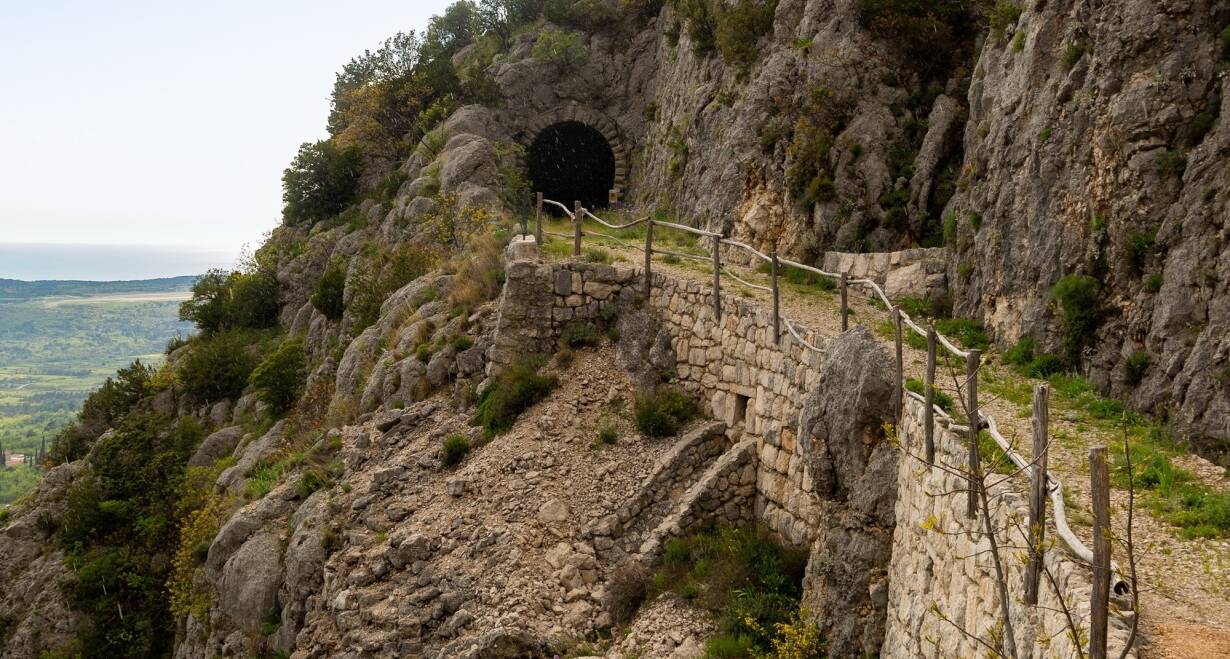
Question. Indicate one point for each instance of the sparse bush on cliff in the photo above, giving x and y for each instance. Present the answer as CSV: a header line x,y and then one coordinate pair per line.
x,y
385,270
454,450
579,335
663,411
560,48
102,409
1002,16
280,377
218,366
330,289
1080,311
914,27
739,29
1136,366
512,392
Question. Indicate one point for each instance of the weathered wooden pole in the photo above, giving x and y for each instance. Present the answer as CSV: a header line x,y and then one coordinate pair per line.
x,y
777,316
577,216
538,221
899,402
648,257
845,307
1099,483
975,427
717,278
1037,493
929,385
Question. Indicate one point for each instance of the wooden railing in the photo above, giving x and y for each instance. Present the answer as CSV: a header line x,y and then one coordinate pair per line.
x,y
1043,485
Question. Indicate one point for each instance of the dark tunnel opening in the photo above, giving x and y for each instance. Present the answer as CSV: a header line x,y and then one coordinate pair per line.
x,y
570,161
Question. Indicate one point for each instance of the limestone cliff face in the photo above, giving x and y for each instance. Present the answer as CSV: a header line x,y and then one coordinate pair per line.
x,y
1096,146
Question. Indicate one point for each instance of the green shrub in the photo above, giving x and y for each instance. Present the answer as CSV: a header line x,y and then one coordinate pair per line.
x,y
739,29
1224,38
328,296
975,220
741,576
729,646
1173,162
1077,296
1073,53
1044,366
217,367
232,300
1153,283
934,307
280,378
384,271
608,434
562,49
940,398
512,392
320,182
461,343
423,352
579,334
1140,246
1003,16
799,277
597,255
1136,366
1021,353
914,27
455,449
663,411
969,333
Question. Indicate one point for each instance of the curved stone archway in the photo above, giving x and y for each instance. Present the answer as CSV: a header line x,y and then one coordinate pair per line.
x,y
575,112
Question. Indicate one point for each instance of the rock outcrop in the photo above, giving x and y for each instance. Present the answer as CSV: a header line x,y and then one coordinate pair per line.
x,y
853,469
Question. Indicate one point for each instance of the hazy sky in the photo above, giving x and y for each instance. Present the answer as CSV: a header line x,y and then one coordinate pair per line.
x,y
168,122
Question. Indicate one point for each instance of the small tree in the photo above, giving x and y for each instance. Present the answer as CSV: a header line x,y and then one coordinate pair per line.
x,y
321,182
328,298
279,379
562,49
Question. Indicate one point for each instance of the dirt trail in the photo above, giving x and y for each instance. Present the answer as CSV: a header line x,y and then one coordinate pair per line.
x,y
1185,584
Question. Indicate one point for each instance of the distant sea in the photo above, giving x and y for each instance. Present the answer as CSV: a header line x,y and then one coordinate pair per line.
x,y
106,262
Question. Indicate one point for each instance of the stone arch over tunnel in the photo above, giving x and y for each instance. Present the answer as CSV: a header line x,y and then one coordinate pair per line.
x,y
575,152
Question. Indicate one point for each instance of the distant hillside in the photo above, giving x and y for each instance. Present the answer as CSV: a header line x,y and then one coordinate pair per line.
x,y
15,289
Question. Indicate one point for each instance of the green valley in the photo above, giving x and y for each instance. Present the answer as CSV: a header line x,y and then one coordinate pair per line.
x,y
60,340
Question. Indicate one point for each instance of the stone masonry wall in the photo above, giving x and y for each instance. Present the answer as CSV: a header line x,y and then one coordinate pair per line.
x,y
750,383
939,566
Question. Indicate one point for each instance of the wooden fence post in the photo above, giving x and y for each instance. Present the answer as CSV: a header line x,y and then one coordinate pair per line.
x,y
1099,483
578,214
929,387
899,403
845,307
777,316
648,257
975,428
1037,493
538,221
717,278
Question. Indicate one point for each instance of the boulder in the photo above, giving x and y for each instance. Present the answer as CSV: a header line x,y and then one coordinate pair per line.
x,y
248,592
216,446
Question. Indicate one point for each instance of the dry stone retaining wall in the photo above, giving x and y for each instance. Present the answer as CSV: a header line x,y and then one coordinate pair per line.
x,y
749,383
758,389
939,560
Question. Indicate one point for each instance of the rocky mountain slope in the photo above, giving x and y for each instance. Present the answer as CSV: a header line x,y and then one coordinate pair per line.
x,y
1044,139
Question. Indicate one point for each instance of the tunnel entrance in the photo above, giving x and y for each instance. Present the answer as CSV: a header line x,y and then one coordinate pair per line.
x,y
570,161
